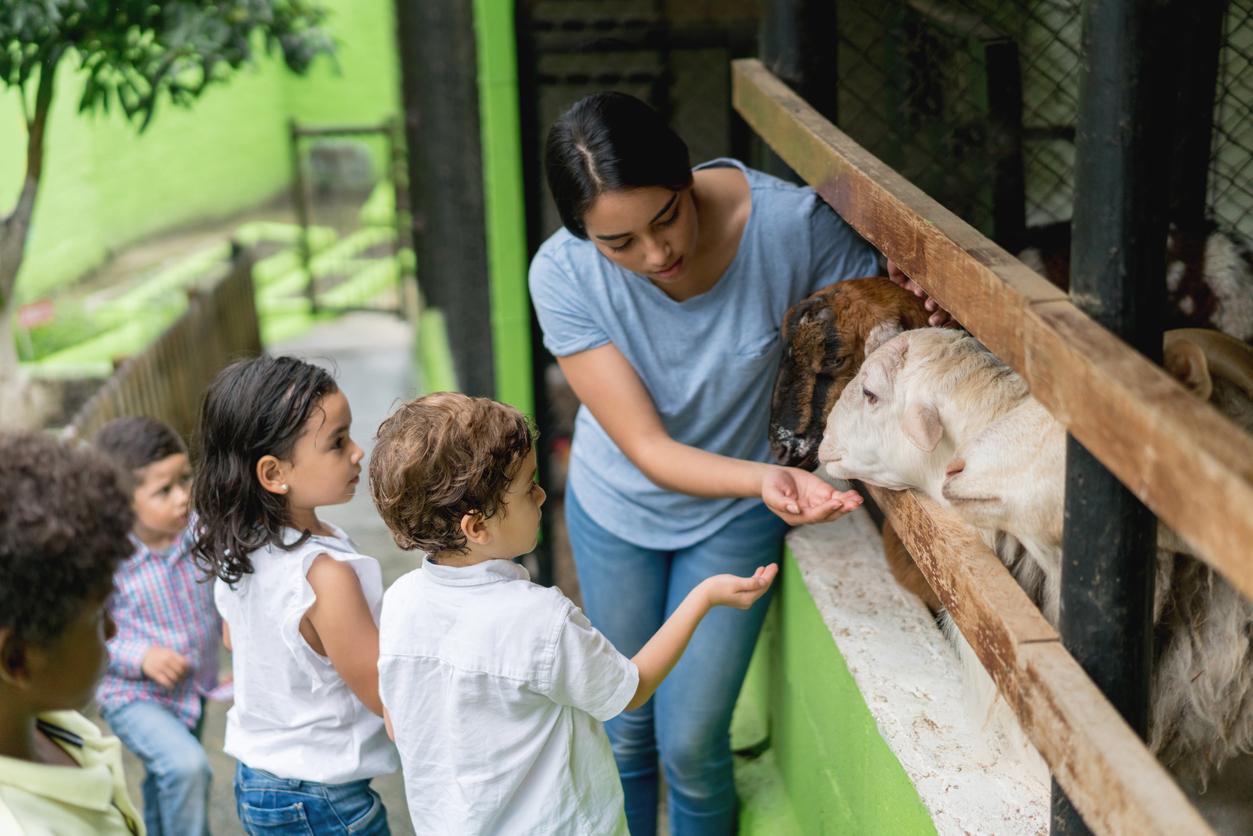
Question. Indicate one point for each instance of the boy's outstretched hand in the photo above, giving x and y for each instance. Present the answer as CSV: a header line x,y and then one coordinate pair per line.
x,y
741,593
662,651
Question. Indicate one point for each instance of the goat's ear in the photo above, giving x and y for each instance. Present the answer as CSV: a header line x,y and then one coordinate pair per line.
x,y
922,426
1186,362
881,333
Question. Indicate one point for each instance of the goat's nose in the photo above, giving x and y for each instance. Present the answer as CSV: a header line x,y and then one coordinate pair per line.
x,y
954,467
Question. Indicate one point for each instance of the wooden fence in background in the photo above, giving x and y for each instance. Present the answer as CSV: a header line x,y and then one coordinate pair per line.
x,y
168,379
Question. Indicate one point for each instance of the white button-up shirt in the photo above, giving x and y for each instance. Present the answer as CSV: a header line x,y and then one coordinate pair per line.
x,y
497,689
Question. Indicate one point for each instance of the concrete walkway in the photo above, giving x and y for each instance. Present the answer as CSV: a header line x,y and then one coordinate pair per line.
x,y
371,358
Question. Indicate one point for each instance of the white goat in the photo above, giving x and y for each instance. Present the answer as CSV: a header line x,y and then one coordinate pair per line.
x,y
916,397
897,424
932,392
1011,476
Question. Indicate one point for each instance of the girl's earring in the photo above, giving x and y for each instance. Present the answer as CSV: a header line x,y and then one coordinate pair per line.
x,y
284,487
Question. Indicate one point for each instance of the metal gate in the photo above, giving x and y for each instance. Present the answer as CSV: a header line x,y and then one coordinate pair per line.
x,y
351,204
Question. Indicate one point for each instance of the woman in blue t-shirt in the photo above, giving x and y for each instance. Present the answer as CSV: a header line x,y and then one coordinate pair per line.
x,y
661,299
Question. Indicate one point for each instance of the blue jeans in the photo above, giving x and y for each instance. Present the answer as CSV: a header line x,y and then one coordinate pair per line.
x,y
628,592
176,769
267,803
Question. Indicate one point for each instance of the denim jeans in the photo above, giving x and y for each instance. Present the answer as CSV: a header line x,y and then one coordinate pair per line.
x,y
267,803
628,592
176,769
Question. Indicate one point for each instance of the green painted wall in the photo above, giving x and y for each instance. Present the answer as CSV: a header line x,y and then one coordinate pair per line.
x,y
837,773
105,186
504,208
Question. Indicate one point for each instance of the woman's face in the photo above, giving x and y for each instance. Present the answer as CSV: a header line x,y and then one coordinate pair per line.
x,y
649,231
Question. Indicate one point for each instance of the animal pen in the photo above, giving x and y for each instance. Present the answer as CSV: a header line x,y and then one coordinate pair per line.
x,y
961,122
1186,463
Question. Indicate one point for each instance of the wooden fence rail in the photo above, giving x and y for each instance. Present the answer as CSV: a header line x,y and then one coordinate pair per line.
x,y
168,379
1190,465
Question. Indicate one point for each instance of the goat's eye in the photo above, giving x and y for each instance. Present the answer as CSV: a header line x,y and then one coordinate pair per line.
x,y
871,397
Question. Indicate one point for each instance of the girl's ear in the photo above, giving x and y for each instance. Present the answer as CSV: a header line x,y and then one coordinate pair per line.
x,y
14,665
474,527
271,473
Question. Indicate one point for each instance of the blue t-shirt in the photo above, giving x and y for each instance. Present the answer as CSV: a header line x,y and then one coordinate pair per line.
x,y
709,362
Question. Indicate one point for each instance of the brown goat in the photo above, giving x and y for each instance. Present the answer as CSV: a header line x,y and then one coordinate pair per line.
x,y
824,342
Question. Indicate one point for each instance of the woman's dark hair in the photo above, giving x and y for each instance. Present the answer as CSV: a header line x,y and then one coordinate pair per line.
x,y
65,520
610,142
253,408
138,441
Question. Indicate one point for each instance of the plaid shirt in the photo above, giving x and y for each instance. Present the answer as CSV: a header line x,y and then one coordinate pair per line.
x,y
159,600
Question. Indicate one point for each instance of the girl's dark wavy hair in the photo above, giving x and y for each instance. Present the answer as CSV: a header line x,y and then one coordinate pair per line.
x,y
610,142
253,408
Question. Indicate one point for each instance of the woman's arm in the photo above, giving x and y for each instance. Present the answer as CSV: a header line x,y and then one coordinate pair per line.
x,y
344,631
608,385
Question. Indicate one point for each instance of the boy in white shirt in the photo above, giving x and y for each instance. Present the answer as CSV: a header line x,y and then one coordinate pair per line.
x,y
495,688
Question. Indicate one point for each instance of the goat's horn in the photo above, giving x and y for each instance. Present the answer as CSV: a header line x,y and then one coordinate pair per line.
x,y
1228,358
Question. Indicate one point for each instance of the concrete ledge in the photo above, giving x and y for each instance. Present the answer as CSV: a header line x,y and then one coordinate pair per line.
x,y
966,775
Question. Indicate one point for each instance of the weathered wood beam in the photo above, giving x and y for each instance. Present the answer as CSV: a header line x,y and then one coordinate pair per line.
x,y
1109,775
1190,465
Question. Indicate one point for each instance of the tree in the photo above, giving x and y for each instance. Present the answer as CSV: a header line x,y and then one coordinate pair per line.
x,y
133,54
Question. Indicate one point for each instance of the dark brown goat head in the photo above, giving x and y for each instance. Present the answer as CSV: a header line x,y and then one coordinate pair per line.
x,y
824,341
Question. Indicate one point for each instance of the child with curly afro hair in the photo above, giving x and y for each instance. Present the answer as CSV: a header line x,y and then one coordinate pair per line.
x,y
64,520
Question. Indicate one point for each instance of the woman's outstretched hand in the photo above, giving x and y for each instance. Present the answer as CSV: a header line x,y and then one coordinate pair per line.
x,y
799,497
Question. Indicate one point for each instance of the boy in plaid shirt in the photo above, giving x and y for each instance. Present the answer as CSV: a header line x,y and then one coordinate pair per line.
x,y
164,659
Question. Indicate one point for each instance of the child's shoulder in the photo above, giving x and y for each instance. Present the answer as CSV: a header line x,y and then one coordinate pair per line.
x,y
515,604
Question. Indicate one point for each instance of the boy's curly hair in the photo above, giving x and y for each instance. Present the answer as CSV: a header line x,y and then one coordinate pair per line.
x,y
440,457
65,515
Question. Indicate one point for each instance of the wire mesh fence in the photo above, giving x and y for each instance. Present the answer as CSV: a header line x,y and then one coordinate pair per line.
x,y
1230,194
975,101
923,85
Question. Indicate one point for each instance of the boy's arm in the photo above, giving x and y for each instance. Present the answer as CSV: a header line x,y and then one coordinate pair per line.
x,y
656,659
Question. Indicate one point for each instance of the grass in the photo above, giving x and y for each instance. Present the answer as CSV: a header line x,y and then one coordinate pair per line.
x,y
88,335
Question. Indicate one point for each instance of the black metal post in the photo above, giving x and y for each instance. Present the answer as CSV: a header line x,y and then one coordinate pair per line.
x,y
1198,29
1122,169
797,42
1009,202
439,90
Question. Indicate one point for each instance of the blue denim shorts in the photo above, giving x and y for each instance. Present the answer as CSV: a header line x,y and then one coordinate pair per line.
x,y
269,804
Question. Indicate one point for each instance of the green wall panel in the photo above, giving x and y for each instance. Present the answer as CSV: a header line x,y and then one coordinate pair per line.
x,y
838,774
105,186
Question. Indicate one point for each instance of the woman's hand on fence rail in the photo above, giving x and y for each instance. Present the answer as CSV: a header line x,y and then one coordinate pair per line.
x,y
938,316
799,497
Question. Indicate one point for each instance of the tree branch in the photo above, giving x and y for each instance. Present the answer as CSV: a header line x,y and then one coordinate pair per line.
x,y
16,227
